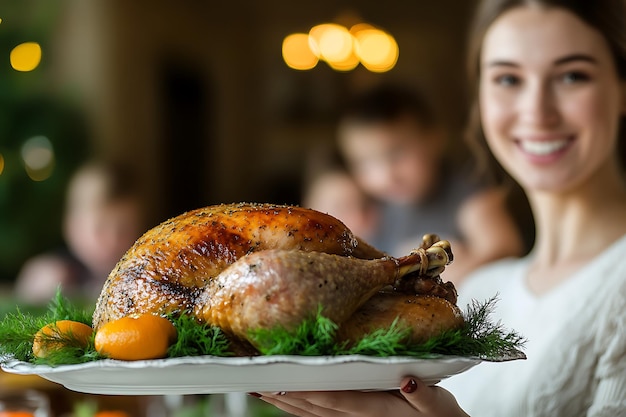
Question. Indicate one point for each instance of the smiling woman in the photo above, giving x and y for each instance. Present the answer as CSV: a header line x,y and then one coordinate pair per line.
x,y
549,114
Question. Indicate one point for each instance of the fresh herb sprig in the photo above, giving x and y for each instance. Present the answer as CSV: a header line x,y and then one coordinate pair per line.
x,y
194,338
484,338
61,308
17,331
314,337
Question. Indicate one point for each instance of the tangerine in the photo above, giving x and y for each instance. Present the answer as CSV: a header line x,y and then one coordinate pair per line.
x,y
59,334
110,413
131,338
16,414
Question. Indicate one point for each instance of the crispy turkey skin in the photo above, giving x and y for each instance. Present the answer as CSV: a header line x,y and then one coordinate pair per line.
x,y
166,269
246,267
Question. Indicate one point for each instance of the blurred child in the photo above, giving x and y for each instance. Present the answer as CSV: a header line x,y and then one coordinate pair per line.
x,y
335,192
101,221
397,153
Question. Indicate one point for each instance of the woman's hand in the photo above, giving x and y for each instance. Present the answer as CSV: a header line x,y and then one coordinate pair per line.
x,y
415,399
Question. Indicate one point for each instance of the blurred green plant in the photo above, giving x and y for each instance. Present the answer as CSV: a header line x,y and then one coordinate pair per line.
x,y
30,106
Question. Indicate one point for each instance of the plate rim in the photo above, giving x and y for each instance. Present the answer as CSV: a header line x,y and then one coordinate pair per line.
x,y
26,368
245,374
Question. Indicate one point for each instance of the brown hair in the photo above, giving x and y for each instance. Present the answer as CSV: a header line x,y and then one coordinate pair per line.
x,y
606,16
387,103
100,182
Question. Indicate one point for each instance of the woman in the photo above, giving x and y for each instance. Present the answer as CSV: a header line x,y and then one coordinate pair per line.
x,y
551,100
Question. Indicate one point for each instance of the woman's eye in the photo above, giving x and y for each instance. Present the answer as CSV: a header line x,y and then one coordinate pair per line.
x,y
574,77
507,80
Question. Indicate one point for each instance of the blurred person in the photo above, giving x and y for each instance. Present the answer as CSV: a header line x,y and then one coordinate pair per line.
x,y
335,192
397,153
102,219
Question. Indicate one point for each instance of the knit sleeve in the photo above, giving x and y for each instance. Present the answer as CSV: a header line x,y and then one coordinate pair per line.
x,y
610,396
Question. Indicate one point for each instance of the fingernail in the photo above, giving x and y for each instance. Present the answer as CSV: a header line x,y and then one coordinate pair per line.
x,y
410,386
255,394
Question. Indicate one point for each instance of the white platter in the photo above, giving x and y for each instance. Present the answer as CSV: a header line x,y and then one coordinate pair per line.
x,y
211,375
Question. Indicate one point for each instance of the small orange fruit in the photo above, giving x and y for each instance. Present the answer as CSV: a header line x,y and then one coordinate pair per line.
x,y
132,338
16,414
113,413
59,334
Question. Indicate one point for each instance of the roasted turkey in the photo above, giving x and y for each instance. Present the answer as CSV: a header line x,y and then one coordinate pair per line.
x,y
245,267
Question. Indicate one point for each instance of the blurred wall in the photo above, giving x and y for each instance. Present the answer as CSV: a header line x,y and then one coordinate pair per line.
x,y
196,95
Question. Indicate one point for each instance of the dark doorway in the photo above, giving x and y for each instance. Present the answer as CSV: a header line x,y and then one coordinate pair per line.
x,y
186,137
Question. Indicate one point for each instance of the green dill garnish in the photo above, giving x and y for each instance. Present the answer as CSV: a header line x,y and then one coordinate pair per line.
x,y
194,338
61,308
70,353
484,338
381,342
17,332
478,337
314,337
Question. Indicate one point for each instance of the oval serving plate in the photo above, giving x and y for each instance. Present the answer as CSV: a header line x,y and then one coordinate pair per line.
x,y
212,375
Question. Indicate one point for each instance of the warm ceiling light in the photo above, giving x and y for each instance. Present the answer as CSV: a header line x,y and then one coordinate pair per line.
x,y
359,27
296,52
335,43
315,37
348,64
26,56
377,50
341,48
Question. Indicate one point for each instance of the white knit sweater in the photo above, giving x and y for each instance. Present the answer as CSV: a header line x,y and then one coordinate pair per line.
x,y
576,346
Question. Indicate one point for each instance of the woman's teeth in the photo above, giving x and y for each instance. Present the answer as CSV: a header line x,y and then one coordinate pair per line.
x,y
543,147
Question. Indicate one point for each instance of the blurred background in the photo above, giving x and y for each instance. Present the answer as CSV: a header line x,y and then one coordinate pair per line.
x,y
194,96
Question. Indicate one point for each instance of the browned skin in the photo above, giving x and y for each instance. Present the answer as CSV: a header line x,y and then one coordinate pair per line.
x,y
166,269
425,315
284,287
246,267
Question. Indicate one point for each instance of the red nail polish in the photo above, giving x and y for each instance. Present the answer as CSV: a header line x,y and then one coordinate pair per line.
x,y
255,394
410,386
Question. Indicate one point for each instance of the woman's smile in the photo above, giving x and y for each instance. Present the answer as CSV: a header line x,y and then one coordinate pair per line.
x,y
544,148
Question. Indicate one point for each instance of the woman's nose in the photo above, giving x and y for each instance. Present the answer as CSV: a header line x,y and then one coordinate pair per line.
x,y
538,106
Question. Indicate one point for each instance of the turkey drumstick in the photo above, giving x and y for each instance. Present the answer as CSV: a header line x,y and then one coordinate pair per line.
x,y
285,287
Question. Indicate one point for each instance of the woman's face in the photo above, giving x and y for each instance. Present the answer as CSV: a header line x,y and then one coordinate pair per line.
x,y
550,98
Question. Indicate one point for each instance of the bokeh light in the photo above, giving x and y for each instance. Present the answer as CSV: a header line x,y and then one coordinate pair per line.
x,y
348,64
26,56
296,52
378,50
342,49
334,42
1,164
38,156
359,27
